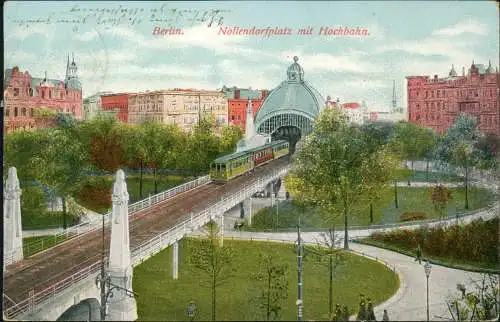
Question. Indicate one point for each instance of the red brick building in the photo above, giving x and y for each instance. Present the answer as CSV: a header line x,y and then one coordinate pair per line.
x,y
436,102
117,103
25,96
237,106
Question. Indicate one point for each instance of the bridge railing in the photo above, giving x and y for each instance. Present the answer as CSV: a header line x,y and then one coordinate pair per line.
x,y
49,293
39,245
156,244
143,251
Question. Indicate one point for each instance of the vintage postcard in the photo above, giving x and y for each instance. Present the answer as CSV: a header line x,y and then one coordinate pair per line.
x,y
251,160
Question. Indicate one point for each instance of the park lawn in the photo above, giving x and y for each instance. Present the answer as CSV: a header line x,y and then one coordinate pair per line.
x,y
33,245
384,210
47,219
95,193
459,263
161,298
423,176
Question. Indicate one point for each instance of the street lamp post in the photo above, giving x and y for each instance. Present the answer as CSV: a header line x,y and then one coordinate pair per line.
x,y
103,282
299,276
396,193
466,182
277,213
427,268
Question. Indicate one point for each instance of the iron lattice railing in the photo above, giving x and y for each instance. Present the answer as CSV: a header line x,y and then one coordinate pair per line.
x,y
92,225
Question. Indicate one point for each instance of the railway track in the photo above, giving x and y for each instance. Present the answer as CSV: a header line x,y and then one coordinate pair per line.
x,y
43,270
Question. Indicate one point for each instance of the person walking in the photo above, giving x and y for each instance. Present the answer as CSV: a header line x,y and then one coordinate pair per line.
x,y
419,255
386,316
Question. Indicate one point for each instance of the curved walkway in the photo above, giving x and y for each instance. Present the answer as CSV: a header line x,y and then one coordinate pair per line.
x,y
409,302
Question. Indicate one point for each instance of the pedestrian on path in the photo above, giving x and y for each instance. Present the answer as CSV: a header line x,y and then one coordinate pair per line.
x,y
386,316
419,255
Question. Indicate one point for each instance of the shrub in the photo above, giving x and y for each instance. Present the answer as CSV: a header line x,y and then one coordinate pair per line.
x,y
33,204
470,243
95,194
413,215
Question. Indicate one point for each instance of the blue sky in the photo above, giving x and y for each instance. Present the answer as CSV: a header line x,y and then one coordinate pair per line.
x,y
406,38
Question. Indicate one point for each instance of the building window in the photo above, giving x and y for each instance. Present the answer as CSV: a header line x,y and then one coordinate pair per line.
x,y
43,93
50,94
23,111
16,92
31,91
16,111
7,112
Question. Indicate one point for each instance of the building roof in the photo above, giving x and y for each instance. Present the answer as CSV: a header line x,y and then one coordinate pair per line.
x,y
245,93
292,94
36,81
481,69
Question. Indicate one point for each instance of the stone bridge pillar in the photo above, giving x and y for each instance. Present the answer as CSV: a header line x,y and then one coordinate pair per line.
x,y
175,260
12,230
221,230
121,306
247,210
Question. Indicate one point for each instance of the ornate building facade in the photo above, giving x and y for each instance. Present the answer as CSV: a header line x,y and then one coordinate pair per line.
x,y
116,104
184,107
25,96
436,102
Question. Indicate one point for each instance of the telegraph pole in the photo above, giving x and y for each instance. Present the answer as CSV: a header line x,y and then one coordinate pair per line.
x,y
103,278
299,276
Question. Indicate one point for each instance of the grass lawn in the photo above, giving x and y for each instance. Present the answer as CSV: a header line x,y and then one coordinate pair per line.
x,y
422,176
160,298
446,261
384,210
100,200
47,219
32,245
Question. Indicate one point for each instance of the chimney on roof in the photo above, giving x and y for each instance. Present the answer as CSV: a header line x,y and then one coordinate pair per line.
x,y
237,94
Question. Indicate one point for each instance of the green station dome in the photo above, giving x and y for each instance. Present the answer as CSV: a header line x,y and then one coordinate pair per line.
x,y
292,96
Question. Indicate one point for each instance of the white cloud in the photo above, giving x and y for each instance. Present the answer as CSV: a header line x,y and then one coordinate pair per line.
x,y
21,32
351,61
467,26
237,73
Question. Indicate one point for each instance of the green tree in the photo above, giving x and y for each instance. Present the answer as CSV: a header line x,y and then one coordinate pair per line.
x,y
207,256
23,150
440,196
99,136
378,137
489,150
479,304
157,144
273,281
458,147
328,253
229,136
202,147
413,142
337,167
64,161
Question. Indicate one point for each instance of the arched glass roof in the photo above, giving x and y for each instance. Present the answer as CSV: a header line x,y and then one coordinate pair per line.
x,y
292,95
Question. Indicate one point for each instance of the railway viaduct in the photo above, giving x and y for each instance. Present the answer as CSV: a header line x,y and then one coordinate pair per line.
x,y
70,276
